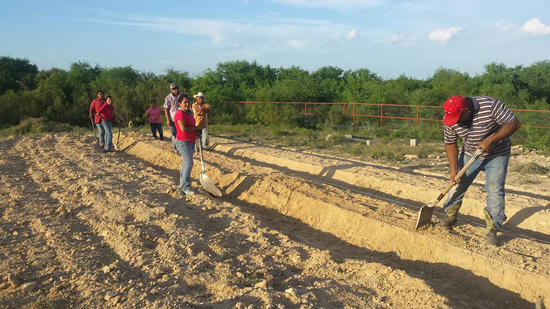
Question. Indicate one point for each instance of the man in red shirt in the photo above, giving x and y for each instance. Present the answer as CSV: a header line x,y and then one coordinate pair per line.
x,y
94,109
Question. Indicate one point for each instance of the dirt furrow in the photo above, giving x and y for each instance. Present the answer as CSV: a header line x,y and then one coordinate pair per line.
x,y
446,257
114,224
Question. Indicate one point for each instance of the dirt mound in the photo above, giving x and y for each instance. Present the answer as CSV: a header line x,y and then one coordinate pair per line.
x,y
108,230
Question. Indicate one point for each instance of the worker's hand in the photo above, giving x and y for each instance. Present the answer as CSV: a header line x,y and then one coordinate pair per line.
x,y
199,128
90,115
485,146
167,122
453,177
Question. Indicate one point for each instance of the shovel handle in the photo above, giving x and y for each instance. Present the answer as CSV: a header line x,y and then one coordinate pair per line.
x,y
200,152
93,129
118,136
460,174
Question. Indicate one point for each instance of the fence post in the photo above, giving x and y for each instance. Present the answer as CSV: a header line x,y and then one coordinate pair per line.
x,y
381,115
344,113
417,114
353,113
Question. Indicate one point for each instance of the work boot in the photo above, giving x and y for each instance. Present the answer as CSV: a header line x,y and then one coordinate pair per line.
x,y
451,215
492,239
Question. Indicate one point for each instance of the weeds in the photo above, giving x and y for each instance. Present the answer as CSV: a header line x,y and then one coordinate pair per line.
x,y
34,126
532,168
389,142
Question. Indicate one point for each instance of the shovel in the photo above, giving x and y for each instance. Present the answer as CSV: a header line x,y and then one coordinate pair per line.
x,y
118,138
426,211
205,181
93,129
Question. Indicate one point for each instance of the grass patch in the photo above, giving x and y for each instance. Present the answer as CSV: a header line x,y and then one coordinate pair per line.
x,y
37,126
532,168
390,143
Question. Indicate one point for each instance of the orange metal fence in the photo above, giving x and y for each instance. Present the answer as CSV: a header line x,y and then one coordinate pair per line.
x,y
383,113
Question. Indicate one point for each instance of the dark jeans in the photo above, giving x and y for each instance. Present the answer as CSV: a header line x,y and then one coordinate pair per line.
x,y
156,127
173,132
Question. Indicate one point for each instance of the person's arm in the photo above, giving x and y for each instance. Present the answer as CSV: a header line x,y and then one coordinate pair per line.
x,y
100,110
206,107
196,109
452,156
506,130
166,113
181,124
91,111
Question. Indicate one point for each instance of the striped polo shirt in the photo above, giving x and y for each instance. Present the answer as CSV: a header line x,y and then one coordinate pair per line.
x,y
489,115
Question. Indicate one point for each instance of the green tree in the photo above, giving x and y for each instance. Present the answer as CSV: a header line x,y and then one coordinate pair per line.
x,y
16,74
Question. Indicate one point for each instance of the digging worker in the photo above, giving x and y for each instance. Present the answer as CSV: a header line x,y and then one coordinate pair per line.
x,y
93,114
200,112
480,122
171,106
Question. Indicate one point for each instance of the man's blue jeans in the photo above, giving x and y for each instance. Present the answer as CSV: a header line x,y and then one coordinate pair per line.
x,y
185,149
173,132
108,134
495,172
100,132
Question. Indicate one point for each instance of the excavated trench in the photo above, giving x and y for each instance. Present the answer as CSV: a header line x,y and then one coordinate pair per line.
x,y
343,217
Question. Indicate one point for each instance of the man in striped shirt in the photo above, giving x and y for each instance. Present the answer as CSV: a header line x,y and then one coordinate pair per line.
x,y
480,122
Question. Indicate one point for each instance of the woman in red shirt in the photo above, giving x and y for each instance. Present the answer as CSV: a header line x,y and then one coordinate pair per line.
x,y
105,112
185,141
154,119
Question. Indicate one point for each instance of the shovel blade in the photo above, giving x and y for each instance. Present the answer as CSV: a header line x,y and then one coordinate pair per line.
x,y
209,185
424,216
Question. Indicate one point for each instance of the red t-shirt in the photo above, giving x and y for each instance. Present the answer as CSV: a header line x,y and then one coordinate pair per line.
x,y
94,108
154,114
106,111
188,121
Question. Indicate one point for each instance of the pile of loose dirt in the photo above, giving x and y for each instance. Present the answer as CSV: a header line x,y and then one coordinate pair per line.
x,y
85,229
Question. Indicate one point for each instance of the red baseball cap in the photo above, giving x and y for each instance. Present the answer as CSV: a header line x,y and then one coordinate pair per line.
x,y
454,106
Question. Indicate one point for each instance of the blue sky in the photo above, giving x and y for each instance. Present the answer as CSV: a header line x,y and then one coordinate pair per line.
x,y
389,37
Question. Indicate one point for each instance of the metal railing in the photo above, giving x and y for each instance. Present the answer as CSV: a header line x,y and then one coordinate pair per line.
x,y
350,109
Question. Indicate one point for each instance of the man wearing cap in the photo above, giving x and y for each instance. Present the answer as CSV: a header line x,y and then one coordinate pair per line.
x,y
171,106
480,122
200,111
92,113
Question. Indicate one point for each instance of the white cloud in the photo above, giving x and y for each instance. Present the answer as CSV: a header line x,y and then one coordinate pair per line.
x,y
329,4
444,35
506,27
255,34
534,26
397,38
295,43
216,30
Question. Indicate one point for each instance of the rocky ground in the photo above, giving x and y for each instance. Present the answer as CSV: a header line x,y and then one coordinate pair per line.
x,y
84,229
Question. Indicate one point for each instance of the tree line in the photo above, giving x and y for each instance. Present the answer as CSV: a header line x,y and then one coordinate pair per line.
x,y
64,95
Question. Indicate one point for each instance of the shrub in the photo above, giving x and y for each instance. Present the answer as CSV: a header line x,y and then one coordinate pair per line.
x,y
36,126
